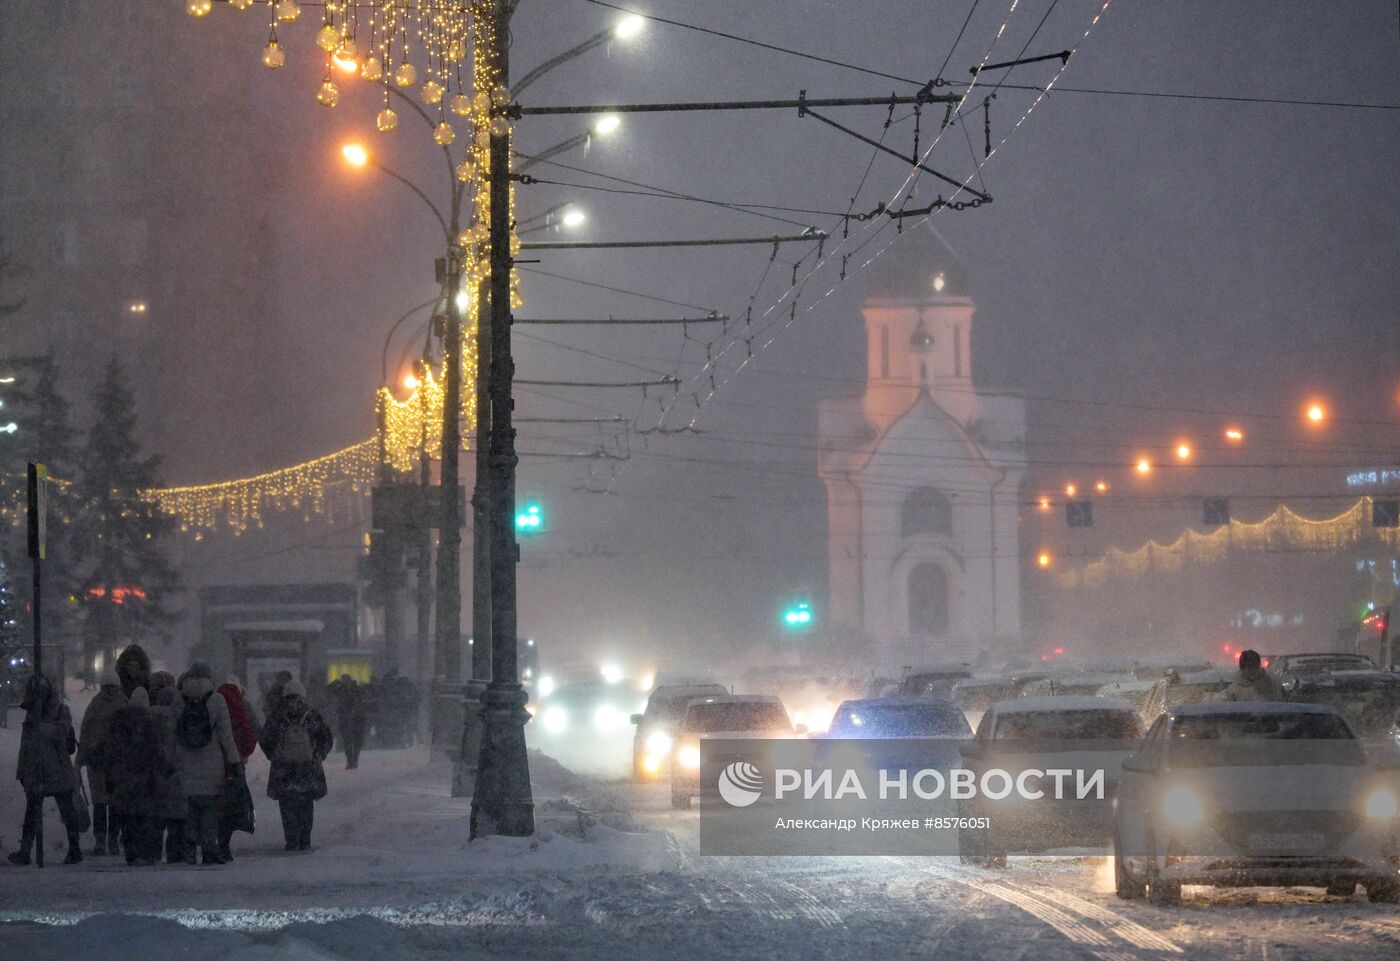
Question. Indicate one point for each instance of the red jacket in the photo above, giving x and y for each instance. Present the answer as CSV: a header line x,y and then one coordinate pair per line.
x,y
245,735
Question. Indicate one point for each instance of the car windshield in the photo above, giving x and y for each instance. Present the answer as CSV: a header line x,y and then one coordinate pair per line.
x,y
668,709
1263,739
740,716
983,696
1199,693
1077,725
899,720
933,684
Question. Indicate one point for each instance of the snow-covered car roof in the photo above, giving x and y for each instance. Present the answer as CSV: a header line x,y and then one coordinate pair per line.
x,y
953,668
1074,702
1212,676
869,702
1251,707
970,682
667,692
739,699
1108,689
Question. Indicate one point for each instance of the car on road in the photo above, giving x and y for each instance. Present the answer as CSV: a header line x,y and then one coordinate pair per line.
x,y
1046,733
583,725
1175,689
1369,700
1136,693
932,681
1293,668
727,716
898,717
1249,794
656,726
1073,685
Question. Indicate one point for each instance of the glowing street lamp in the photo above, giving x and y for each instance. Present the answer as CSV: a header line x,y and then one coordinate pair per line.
x,y
355,154
573,217
1183,451
629,26
1044,560
411,381
1071,490
1143,466
1101,487
608,123
1234,435
1316,413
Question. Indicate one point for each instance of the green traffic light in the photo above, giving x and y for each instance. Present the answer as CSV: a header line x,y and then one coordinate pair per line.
x,y
799,615
529,519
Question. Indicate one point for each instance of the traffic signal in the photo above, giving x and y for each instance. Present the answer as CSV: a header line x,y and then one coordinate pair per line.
x,y
1079,514
530,519
1216,512
798,615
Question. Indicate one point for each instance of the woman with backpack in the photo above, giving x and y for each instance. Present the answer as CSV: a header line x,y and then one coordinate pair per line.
x,y
297,740
45,742
203,746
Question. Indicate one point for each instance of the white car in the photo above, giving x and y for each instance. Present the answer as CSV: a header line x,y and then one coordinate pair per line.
x,y
728,716
1255,793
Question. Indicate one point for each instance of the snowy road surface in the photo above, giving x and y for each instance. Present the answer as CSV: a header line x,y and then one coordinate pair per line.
x,y
391,876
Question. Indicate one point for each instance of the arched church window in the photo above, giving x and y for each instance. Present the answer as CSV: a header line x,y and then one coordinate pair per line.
x,y
928,600
926,511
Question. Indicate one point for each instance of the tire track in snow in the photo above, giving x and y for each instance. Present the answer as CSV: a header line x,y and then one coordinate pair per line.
x,y
1135,934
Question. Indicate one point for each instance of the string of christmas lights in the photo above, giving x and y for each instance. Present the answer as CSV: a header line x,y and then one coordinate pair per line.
x,y
1283,530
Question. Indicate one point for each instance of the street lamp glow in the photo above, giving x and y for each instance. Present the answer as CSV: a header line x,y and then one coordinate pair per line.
x,y
608,123
1316,413
355,154
1234,435
344,63
1101,487
629,26
1143,466
411,381
612,674
1071,490
573,217
1044,559
463,300
1183,451
1044,504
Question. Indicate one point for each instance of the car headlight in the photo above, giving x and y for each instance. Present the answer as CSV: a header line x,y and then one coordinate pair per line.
x,y
1381,804
659,743
689,756
651,764
555,720
1182,806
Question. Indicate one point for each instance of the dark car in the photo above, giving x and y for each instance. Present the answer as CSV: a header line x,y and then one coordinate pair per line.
x,y
655,734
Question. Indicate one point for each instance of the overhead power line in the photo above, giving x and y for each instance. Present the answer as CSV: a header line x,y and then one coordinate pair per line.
x,y
660,382
708,319
923,96
806,236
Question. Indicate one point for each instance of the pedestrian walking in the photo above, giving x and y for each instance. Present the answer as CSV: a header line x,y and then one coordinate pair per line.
x,y
137,768
45,768
1252,682
173,802
236,803
203,746
97,721
134,669
273,696
297,739
349,718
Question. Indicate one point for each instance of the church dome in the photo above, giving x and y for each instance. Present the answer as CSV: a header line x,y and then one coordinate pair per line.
x,y
915,267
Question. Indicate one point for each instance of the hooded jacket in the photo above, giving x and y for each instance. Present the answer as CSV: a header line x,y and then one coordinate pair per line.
x,y
296,779
135,759
1254,684
134,668
202,769
97,721
45,742
167,710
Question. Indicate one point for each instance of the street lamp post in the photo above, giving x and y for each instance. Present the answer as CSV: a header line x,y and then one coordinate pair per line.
x,y
502,802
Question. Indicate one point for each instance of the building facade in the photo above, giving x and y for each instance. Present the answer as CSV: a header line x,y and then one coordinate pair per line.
x,y
923,474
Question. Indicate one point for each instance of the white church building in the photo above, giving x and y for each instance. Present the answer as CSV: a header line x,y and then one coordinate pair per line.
x,y
923,476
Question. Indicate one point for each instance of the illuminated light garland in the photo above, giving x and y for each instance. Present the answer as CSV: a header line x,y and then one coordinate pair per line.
x,y
416,421
1284,529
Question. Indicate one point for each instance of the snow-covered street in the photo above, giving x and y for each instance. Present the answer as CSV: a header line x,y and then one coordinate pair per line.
x,y
615,873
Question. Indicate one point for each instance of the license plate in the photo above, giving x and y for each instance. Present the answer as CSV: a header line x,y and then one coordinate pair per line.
x,y
1287,841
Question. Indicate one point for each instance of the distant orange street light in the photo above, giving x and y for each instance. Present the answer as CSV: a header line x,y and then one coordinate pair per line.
x,y
411,381
1045,503
1101,487
1234,435
1316,413
1070,490
1044,559
1143,466
1183,451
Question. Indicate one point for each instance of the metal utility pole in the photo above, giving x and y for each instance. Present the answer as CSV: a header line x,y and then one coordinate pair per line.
x,y
464,775
502,803
447,691
38,474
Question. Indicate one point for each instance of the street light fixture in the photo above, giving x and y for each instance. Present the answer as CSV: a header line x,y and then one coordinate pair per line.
x,y
607,124
626,28
574,217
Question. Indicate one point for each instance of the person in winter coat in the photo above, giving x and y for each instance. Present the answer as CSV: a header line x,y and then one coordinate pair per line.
x,y
137,768
297,739
273,696
349,718
245,737
1252,682
45,770
97,720
134,669
171,809
204,745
